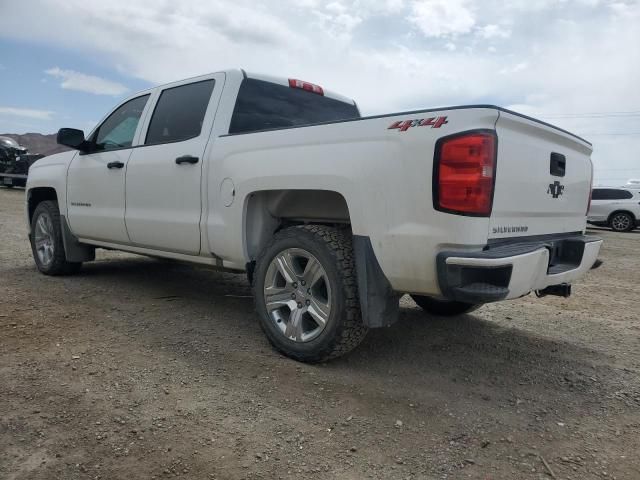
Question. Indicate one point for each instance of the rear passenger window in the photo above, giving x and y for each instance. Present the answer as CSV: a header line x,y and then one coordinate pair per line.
x,y
611,194
179,113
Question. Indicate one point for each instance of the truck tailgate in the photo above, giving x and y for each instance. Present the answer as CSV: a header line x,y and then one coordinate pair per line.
x,y
543,179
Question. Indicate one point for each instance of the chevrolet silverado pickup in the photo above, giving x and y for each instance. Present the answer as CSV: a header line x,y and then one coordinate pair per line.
x,y
333,216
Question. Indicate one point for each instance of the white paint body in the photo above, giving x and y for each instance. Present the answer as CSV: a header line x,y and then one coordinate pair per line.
x,y
198,212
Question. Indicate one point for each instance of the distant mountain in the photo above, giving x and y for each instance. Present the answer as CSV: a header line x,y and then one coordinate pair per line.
x,y
37,142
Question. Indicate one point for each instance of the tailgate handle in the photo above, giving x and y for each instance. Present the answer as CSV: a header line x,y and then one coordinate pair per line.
x,y
558,164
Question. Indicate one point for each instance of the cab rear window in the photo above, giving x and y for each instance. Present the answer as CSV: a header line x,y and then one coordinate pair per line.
x,y
264,105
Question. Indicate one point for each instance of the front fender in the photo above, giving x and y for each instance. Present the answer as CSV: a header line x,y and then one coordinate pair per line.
x,y
49,172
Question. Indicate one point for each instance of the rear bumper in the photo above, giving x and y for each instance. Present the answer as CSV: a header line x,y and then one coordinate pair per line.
x,y
512,270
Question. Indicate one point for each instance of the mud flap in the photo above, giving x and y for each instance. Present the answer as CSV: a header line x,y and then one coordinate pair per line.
x,y
75,251
380,305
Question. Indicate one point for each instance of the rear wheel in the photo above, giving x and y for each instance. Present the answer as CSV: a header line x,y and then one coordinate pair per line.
x,y
46,241
444,308
306,293
622,222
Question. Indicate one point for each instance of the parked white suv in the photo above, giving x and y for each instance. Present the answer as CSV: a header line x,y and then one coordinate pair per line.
x,y
332,216
616,208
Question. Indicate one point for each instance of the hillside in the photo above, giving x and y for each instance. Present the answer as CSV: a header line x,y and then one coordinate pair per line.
x,y
37,142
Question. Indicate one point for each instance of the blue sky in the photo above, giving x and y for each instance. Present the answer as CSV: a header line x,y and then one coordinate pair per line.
x,y
570,62
26,86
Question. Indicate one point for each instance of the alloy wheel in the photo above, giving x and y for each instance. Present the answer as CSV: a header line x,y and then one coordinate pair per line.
x,y
44,239
621,222
297,295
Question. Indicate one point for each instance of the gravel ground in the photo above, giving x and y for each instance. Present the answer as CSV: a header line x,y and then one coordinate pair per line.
x,y
141,368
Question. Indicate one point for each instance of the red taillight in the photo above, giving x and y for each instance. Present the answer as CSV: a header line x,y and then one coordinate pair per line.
x,y
309,87
464,170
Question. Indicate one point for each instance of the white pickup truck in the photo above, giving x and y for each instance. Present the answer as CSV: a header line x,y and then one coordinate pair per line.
x,y
333,216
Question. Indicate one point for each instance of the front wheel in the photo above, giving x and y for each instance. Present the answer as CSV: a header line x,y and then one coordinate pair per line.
x,y
46,241
622,222
306,293
444,308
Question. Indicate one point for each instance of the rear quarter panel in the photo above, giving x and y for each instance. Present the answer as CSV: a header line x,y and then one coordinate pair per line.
x,y
384,174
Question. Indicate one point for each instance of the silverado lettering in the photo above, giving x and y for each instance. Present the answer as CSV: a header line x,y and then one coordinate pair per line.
x,y
510,229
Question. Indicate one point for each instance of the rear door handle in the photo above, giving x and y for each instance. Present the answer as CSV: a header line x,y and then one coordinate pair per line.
x,y
115,165
187,159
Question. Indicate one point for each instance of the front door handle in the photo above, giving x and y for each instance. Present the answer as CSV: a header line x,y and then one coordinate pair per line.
x,y
187,159
115,165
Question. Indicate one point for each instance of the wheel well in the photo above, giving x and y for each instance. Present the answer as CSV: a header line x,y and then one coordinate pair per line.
x,y
271,210
621,211
40,194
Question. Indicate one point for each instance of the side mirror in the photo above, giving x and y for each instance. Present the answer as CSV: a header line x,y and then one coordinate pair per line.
x,y
72,137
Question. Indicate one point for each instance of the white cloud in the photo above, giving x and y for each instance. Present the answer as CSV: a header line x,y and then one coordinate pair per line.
x,y
386,7
26,113
492,31
338,20
72,80
336,7
518,67
438,18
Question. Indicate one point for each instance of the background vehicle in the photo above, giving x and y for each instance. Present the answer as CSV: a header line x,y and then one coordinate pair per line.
x,y
332,216
14,163
616,208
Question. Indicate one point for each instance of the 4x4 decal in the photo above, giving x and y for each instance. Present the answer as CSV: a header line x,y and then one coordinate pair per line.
x,y
404,125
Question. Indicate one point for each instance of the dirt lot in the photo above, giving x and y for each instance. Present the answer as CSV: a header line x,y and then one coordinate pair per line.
x,y
140,368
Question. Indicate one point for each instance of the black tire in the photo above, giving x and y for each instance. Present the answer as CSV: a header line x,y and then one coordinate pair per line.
x,y
444,308
622,222
58,264
344,329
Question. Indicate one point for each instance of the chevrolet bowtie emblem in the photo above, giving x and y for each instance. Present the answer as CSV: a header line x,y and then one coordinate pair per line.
x,y
555,189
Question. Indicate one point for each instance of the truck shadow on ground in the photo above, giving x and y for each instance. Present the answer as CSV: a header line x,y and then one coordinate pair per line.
x,y
198,305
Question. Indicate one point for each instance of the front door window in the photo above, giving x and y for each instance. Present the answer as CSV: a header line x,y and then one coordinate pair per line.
x,y
118,130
